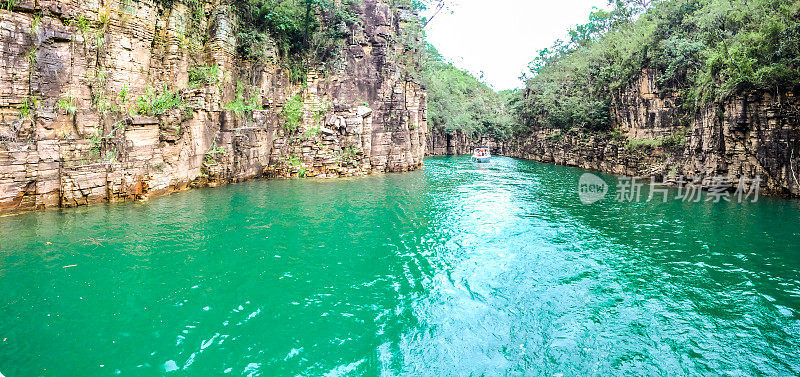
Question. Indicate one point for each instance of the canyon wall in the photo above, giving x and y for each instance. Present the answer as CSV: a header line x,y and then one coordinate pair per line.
x,y
71,73
754,134
441,143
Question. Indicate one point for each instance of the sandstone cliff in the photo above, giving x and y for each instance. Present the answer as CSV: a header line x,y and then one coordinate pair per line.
x,y
71,71
440,143
752,134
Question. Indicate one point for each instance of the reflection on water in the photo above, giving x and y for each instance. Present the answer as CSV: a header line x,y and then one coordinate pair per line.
x,y
459,269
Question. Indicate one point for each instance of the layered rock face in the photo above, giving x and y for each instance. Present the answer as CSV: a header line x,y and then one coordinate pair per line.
x,y
753,134
72,71
441,143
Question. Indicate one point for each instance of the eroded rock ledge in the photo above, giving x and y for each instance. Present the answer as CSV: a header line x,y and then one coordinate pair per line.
x,y
66,138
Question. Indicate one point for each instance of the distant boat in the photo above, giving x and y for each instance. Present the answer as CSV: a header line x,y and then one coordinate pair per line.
x,y
481,155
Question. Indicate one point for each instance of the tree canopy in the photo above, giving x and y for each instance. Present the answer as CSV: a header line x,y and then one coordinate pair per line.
x,y
706,49
459,101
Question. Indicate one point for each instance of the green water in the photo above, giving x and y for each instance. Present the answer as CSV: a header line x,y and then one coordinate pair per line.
x,y
452,270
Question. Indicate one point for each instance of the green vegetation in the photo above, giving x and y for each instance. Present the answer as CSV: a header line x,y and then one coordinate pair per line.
x,y
68,104
35,24
95,144
459,101
33,56
293,114
310,33
123,94
707,50
318,117
204,75
296,163
244,103
82,24
667,142
293,160
213,153
302,31
348,155
152,103
27,107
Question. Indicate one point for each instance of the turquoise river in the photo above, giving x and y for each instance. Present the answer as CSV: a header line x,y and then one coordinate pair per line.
x,y
454,270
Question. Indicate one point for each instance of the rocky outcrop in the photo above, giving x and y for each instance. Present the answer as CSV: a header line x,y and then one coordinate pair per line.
x,y
753,134
71,72
442,143
646,111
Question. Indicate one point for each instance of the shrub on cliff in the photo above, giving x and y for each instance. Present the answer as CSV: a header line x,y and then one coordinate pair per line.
x,y
204,75
302,31
155,103
293,114
246,101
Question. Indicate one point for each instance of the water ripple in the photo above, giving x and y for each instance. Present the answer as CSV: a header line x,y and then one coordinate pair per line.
x,y
454,270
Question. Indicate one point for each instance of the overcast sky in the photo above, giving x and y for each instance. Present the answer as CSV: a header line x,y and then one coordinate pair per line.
x,y
500,37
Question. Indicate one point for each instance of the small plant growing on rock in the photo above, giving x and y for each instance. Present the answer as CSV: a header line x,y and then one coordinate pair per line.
x,y
186,113
294,161
348,155
152,103
313,131
213,153
203,75
635,144
123,94
243,104
95,144
27,106
35,24
111,155
616,134
68,104
101,103
556,136
33,56
82,24
676,139
104,16
293,114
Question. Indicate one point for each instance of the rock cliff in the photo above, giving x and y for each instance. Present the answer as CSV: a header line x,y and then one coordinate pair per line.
x,y
441,143
752,134
654,135
72,71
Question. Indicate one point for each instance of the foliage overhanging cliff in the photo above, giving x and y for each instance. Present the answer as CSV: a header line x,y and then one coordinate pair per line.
x,y
708,50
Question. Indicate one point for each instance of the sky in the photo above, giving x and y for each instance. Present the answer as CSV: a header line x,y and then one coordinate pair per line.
x,y
500,37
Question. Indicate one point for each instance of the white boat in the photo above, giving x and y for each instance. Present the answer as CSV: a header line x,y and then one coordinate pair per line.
x,y
481,155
